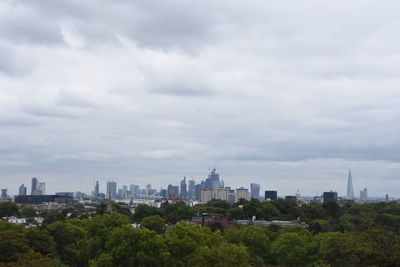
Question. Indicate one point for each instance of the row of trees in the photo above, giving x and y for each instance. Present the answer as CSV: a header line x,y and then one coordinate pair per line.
x,y
360,235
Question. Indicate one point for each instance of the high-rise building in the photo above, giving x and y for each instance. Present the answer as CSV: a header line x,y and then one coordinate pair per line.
x,y
183,194
214,178
42,189
206,194
173,191
34,186
135,189
97,189
22,190
364,194
255,190
124,193
271,195
111,189
197,192
328,196
222,193
148,188
231,195
191,190
4,193
241,193
350,192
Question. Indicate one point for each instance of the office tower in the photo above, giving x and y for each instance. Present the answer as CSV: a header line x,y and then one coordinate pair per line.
x,y
111,189
241,193
214,179
183,194
22,190
135,189
222,193
34,186
173,191
197,192
328,196
364,194
124,191
350,193
163,193
42,189
387,197
148,188
206,194
4,193
271,195
191,190
255,190
222,183
293,198
97,189
231,195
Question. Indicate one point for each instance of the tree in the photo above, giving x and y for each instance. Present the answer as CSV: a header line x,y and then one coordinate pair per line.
x,y
255,238
291,249
8,209
28,212
223,255
155,223
332,209
142,211
235,214
41,242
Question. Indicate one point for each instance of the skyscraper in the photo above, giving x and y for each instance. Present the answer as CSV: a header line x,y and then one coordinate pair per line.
x,y
42,189
255,190
183,194
22,190
350,193
4,193
97,189
34,186
191,190
173,191
111,189
364,194
271,195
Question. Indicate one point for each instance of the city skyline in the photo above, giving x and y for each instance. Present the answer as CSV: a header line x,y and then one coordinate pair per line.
x,y
139,91
259,188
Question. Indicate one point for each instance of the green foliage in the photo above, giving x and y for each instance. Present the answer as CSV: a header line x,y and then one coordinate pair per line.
x,y
155,223
8,209
142,211
223,255
28,212
291,249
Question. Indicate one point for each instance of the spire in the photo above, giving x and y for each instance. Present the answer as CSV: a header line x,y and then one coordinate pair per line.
x,y
350,193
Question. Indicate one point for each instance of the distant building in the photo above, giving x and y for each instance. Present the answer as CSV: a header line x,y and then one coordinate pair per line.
x,y
34,186
350,192
148,188
173,191
364,194
241,193
65,194
135,189
222,193
4,193
97,190
231,195
208,220
163,193
22,190
328,196
42,189
271,195
255,190
191,190
206,194
111,189
38,199
183,194
197,192
293,198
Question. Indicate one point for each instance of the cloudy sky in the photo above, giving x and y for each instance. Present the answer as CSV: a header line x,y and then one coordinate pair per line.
x,y
289,94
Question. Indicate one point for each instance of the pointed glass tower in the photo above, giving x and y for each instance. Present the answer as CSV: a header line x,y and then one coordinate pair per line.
x,y
350,193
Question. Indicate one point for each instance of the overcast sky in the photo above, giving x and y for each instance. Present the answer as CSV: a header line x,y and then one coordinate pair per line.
x,y
288,94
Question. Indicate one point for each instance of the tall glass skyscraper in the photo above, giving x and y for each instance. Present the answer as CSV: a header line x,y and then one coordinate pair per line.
x,y
350,192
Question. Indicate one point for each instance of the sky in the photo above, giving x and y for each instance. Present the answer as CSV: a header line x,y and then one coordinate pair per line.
x,y
287,94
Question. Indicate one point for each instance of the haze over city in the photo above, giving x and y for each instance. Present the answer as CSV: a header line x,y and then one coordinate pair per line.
x,y
287,95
